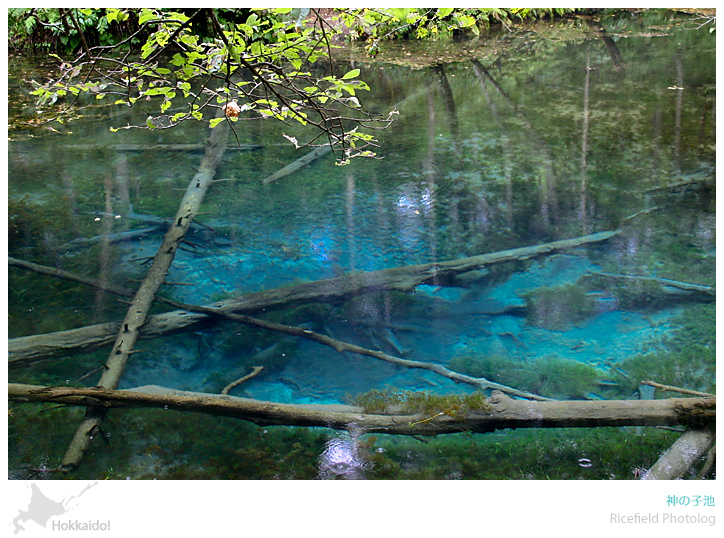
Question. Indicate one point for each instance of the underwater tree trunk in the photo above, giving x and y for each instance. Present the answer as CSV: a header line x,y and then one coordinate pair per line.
x,y
32,348
338,345
137,313
682,455
117,237
157,147
499,412
303,161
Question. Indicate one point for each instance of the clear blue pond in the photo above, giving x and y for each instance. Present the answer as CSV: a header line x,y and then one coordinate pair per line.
x,y
515,140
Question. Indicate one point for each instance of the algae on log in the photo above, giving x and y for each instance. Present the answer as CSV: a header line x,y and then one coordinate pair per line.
x,y
500,412
137,313
407,278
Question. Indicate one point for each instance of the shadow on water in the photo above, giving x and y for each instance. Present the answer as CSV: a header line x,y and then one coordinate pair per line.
x,y
550,133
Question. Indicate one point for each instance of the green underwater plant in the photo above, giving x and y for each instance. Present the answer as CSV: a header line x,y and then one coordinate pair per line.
x,y
551,376
559,307
686,358
381,401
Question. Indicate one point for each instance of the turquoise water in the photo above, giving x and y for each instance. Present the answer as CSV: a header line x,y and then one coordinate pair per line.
x,y
524,139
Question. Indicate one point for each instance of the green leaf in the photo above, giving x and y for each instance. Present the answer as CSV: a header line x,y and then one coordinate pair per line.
x,y
115,14
351,74
214,122
146,15
157,91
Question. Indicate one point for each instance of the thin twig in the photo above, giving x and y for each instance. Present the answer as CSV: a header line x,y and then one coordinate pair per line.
x,y
255,372
677,389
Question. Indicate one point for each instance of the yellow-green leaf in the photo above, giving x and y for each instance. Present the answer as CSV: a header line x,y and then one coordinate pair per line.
x,y
351,74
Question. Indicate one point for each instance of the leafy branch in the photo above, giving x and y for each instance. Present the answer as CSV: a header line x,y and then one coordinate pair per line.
x,y
256,64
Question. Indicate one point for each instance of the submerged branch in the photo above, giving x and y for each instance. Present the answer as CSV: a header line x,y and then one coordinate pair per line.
x,y
343,347
677,389
28,349
256,370
338,345
687,286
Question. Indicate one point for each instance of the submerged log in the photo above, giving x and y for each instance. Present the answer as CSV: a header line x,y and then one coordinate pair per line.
x,y
192,148
303,161
137,313
684,453
115,237
31,348
686,286
499,412
338,345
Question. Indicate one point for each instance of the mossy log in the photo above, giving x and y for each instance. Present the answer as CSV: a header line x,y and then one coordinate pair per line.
x,y
32,348
499,412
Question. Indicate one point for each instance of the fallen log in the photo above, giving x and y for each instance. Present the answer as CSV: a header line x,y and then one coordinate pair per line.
x,y
338,345
137,313
686,286
32,348
303,161
157,147
499,412
114,237
684,453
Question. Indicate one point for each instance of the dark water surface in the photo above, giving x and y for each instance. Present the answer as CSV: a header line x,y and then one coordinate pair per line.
x,y
521,139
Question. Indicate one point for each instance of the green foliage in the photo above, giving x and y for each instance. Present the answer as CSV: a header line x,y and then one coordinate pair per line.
x,y
57,29
615,454
261,58
377,24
